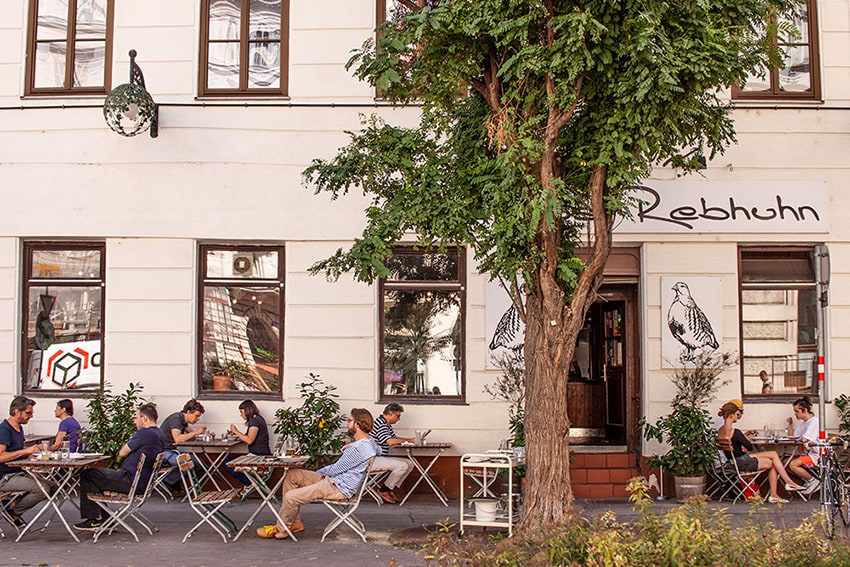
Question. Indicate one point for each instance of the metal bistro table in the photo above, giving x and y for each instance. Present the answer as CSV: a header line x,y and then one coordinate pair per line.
x,y
61,472
251,466
214,452
410,449
785,446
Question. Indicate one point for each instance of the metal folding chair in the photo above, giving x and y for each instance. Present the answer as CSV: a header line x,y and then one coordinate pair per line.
x,y
7,498
121,507
743,482
206,504
344,509
374,480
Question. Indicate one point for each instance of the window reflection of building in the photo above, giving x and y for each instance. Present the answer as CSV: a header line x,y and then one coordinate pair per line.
x,y
778,313
422,313
64,287
242,319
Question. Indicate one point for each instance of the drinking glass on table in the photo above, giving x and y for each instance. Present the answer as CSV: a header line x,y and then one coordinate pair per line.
x,y
65,450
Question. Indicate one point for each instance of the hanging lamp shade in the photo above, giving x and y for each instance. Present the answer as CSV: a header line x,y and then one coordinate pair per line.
x,y
129,109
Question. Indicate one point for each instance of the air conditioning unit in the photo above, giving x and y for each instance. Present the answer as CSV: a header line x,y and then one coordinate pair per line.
x,y
242,264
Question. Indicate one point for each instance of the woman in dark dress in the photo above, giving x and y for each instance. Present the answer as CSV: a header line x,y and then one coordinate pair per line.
x,y
256,436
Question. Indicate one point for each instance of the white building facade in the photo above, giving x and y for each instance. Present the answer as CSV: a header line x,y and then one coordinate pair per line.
x,y
182,261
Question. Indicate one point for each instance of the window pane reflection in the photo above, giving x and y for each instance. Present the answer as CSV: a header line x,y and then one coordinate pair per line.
x,y
264,71
223,66
89,63
91,19
422,343
423,267
66,264
225,17
52,20
241,338
242,264
50,65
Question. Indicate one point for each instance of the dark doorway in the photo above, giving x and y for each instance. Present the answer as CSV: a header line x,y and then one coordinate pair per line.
x,y
603,375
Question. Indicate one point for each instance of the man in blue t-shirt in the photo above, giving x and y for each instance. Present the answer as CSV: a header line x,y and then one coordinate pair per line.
x,y
11,449
147,441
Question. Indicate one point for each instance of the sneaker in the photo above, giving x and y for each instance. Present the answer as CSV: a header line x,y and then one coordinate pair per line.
x,y
268,532
88,525
811,486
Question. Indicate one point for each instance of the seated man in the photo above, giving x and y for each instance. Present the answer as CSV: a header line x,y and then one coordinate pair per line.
x,y
12,449
147,440
338,481
385,437
175,430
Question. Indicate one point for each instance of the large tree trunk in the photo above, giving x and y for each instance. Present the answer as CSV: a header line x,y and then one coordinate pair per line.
x,y
552,327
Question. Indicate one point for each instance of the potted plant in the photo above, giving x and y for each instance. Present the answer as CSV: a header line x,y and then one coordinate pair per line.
x,y
510,387
687,430
111,420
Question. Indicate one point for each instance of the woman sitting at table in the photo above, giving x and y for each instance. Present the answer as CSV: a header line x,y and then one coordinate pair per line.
x,y
256,436
749,461
807,430
69,427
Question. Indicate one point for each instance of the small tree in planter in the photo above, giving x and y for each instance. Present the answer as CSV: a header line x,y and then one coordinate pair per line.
x,y
687,429
316,425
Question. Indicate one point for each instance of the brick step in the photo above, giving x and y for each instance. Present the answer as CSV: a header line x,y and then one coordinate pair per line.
x,y
602,475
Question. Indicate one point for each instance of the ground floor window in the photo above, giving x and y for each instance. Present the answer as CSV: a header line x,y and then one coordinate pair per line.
x,y
62,326
778,321
422,337
240,320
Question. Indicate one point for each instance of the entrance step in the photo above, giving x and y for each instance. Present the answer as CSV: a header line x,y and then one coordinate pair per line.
x,y
602,473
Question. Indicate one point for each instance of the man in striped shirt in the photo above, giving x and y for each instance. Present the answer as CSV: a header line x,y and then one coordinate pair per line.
x,y
338,481
385,437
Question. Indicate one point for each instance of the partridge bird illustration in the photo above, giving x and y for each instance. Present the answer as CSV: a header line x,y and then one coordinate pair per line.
x,y
688,323
510,331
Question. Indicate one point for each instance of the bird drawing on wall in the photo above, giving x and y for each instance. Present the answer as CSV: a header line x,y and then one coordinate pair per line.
x,y
509,332
688,323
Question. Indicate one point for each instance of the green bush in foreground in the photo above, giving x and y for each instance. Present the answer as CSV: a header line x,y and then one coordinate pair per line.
x,y
687,536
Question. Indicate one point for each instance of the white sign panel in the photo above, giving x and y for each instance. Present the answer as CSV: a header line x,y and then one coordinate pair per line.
x,y
691,318
505,331
698,206
70,365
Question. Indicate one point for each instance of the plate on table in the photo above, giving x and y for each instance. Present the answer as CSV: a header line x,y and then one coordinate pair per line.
x,y
786,438
477,459
406,444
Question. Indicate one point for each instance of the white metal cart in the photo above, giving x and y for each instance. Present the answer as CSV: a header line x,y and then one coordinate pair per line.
x,y
483,469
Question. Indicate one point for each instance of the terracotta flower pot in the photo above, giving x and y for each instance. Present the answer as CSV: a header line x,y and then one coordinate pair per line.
x,y
222,383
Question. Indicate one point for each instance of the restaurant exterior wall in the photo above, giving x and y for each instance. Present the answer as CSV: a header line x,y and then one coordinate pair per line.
x,y
224,173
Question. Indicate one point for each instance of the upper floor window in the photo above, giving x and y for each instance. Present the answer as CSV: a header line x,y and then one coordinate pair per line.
x,y
244,47
778,321
70,47
422,333
241,320
63,316
798,78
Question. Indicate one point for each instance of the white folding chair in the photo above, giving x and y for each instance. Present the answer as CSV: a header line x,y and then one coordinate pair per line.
x,y
120,507
374,480
206,504
344,509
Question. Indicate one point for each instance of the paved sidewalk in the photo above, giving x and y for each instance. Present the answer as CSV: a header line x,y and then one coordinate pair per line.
x,y
55,547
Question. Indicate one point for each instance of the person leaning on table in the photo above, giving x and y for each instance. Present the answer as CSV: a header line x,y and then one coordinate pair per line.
x,y
807,430
385,437
147,441
12,449
338,481
256,437
176,430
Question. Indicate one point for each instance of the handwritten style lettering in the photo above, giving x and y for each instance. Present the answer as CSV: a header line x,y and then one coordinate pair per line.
x,y
648,210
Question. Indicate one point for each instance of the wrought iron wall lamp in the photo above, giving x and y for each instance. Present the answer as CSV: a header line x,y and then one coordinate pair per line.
x,y
129,108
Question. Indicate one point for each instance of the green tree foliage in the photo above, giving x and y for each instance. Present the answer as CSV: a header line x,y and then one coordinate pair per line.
x,y
111,420
537,116
316,425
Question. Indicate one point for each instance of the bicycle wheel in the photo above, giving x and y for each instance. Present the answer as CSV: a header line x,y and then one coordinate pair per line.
x,y
842,494
827,503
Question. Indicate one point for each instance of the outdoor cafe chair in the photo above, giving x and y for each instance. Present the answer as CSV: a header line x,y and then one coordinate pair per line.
x,y
743,483
121,507
206,504
7,498
373,482
267,475
344,509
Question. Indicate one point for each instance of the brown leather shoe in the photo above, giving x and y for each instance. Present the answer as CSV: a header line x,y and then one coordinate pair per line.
x,y
387,497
